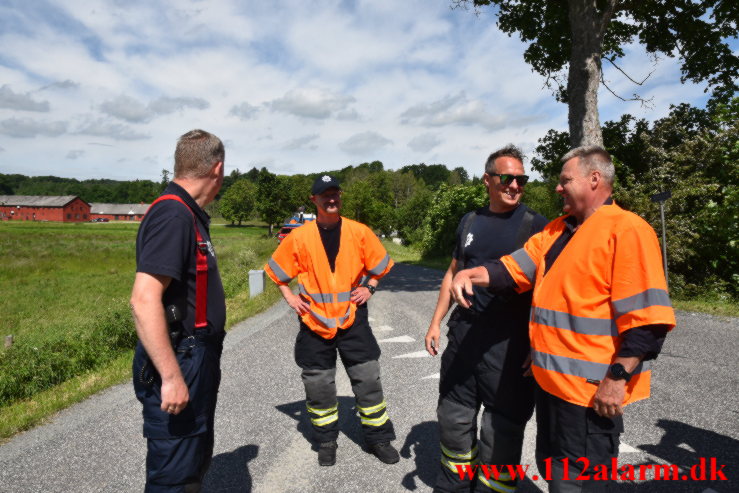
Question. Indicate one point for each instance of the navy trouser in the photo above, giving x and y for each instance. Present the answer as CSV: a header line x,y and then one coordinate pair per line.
x,y
567,430
359,352
179,448
482,365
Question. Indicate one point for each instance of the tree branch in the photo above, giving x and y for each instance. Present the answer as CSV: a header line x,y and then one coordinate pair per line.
x,y
610,59
645,103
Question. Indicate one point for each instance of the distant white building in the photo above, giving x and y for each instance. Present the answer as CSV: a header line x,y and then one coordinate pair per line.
x,y
118,212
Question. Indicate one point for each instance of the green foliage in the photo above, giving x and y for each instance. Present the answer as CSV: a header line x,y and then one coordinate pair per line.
x,y
540,196
64,296
239,201
412,214
694,153
447,208
26,368
106,191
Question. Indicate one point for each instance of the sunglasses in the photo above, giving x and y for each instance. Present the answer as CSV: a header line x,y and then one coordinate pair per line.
x,y
507,179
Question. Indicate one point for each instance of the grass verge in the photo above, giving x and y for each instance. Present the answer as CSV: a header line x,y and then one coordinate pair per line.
x,y
64,296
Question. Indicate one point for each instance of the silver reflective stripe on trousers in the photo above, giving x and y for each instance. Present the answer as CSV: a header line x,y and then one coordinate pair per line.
x,y
380,267
567,321
577,367
281,275
527,265
645,299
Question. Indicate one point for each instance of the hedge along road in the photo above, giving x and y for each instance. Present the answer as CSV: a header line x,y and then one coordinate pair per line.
x,y
261,427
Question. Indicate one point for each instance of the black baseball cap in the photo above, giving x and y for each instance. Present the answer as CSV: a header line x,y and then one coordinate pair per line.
x,y
323,183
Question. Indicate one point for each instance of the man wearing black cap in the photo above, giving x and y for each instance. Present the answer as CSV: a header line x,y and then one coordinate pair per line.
x,y
332,257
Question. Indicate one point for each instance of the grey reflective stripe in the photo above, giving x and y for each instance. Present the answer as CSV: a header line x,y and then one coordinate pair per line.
x,y
527,265
645,299
281,275
577,367
345,317
317,297
380,268
343,296
327,322
567,321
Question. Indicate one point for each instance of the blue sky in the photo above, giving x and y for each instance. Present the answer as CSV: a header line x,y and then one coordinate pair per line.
x,y
103,89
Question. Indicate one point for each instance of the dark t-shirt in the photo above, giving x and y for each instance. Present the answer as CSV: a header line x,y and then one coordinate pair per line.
x,y
165,245
331,239
491,236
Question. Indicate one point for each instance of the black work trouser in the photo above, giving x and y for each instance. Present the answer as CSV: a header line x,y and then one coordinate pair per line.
x,y
360,353
577,434
482,365
180,447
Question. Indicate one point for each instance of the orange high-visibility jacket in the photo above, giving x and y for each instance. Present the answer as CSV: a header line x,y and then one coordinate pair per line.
x,y
302,254
608,279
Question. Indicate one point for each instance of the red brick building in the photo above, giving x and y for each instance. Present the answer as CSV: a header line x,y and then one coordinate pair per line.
x,y
118,212
65,208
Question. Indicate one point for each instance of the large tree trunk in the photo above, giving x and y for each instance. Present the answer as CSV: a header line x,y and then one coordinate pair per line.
x,y
587,26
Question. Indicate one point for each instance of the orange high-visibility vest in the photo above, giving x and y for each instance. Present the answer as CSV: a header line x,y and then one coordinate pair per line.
x,y
301,254
607,280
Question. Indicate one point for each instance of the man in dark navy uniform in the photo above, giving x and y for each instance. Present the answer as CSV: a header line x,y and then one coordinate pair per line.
x,y
176,367
488,343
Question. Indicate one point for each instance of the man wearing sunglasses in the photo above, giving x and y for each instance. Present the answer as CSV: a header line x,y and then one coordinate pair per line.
x,y
488,343
600,313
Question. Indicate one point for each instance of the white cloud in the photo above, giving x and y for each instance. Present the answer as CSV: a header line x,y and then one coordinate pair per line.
x,y
133,111
311,103
27,128
453,110
364,143
424,142
22,102
301,142
75,154
115,131
245,111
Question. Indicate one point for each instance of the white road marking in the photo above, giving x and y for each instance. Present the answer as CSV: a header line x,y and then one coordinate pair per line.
x,y
382,328
435,376
397,339
625,448
417,354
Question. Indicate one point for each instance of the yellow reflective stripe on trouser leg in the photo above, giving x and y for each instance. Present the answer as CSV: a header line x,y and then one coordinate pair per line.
x,y
453,459
461,456
452,464
494,485
372,409
324,416
379,421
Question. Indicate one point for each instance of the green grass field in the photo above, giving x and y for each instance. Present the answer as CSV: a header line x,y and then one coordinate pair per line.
x,y
64,291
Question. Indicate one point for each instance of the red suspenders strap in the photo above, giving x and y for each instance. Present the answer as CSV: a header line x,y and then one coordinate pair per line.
x,y
201,266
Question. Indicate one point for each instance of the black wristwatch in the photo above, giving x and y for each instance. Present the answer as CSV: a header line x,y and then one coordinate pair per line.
x,y
371,288
618,372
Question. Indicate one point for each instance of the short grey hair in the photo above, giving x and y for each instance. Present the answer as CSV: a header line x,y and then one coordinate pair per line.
x,y
593,158
508,151
196,153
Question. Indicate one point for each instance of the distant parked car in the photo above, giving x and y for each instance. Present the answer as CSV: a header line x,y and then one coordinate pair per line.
x,y
292,223
99,220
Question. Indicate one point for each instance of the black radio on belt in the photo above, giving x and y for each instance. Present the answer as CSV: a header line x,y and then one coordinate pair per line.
x,y
174,315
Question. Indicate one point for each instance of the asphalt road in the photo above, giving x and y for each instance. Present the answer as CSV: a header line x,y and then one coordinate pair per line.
x,y
262,430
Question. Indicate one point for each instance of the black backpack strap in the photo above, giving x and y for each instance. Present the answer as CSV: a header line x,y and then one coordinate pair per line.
x,y
524,230
465,231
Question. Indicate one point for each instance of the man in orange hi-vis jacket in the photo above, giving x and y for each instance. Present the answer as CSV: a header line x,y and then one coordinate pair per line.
x,y
599,315
331,257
